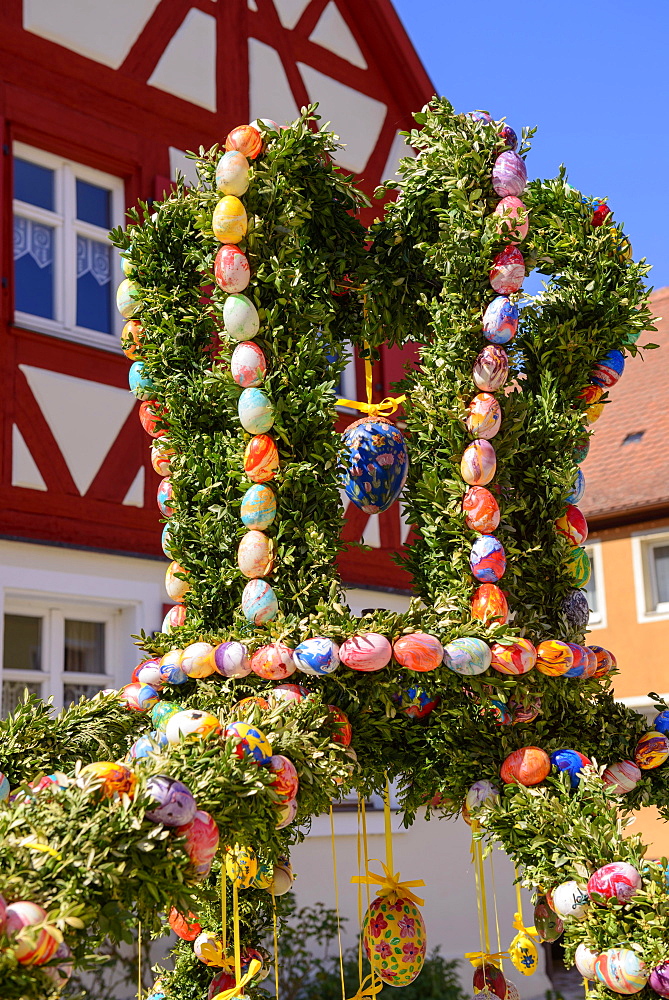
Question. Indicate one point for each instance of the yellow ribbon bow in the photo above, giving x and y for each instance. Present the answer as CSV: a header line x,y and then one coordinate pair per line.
x,y
518,925
254,968
382,409
368,989
389,884
478,958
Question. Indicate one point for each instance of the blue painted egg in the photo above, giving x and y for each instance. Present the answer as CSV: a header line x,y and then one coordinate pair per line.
x,y
166,542
375,464
500,320
467,656
259,603
487,559
416,703
147,745
661,723
509,136
479,116
608,369
258,507
578,489
4,787
256,411
140,383
572,762
317,656
584,661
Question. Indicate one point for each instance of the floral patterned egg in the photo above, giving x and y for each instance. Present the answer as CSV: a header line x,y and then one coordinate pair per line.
x,y
489,604
317,656
259,603
606,661
659,979
241,865
487,559
187,928
110,779
584,960
573,525
507,273
342,729
490,978
129,298
165,497
554,657
249,742
245,139
622,776
191,724
232,271
274,661
375,464
651,751
579,566
174,618
621,970
176,588
255,555
198,660
286,782
484,416
508,210
395,939
231,659
131,339
515,657
481,510
500,320
509,175
578,489
527,766
617,880
248,364
256,411
608,369
479,463
161,456
418,651
569,899
258,508
261,458
232,173
548,925
240,317
415,703
140,384
491,368
229,221
175,805
467,656
572,762
366,652
523,954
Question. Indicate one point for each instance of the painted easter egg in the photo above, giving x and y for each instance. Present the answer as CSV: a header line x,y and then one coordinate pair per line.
x,y
606,661
139,382
232,173
210,950
617,880
20,914
659,979
515,657
578,565
246,139
240,317
523,954
395,939
285,782
525,711
487,559
572,762
491,368
569,899
258,508
221,982
508,210
286,694
608,369
108,778
582,448
4,795
621,970
163,712
622,776
374,465
36,945
261,459
342,730
548,925
241,865
479,116
367,652
232,271
479,463
418,651
317,656
507,273
166,542
191,724
415,703
229,221
481,793
600,212
231,659
175,587
248,706
175,803
578,489
249,742
509,175
174,618
554,657
151,415
286,814
490,604
499,711
500,320
269,125
573,525
467,656
576,610
490,978
148,746
481,510
509,136
484,416
148,672
274,661
131,339
138,697
527,766
651,751
259,603
661,722
162,454
129,298
584,661
61,966
198,660
187,928
584,960
248,365
202,838
255,555
255,411
170,667
282,878
165,497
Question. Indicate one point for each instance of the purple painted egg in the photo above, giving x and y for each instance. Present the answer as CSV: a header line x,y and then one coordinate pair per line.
x,y
508,210
508,271
367,652
651,751
248,364
487,559
617,880
500,320
479,463
231,659
491,368
509,136
509,175
481,510
659,979
608,369
176,805
622,776
484,416
478,116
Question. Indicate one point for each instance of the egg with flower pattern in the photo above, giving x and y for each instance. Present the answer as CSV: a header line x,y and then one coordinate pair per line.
x,y
395,939
484,416
375,464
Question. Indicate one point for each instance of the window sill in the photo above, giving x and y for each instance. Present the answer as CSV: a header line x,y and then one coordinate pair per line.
x,y
78,335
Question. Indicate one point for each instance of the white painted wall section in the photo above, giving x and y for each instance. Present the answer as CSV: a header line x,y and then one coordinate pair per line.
x,y
270,95
290,12
333,33
180,162
187,67
24,468
398,149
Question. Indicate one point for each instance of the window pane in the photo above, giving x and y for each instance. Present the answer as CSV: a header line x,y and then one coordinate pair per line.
x,y
33,184
22,643
94,306
73,692
591,586
12,694
84,647
661,561
93,204
33,267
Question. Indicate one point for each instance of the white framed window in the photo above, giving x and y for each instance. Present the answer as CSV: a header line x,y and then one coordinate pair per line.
x,y
651,575
594,589
65,268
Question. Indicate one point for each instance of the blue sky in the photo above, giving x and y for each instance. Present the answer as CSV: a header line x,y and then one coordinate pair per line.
x,y
594,78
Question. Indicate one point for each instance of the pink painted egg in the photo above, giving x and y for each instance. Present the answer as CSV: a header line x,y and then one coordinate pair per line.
x,y
479,463
248,364
229,221
198,660
286,814
484,416
491,368
274,662
509,175
481,510
554,657
487,559
489,604
516,657
174,618
176,587
286,694
201,836
507,273
418,651
246,140
232,173
659,979
285,782
165,497
617,880
573,525
22,914
367,652
508,210
255,555
622,776
231,269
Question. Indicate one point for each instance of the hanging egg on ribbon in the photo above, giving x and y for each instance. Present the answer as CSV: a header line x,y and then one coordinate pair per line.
x,y
394,938
375,464
523,954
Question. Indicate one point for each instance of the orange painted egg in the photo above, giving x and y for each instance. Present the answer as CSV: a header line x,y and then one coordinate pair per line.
x,y
255,555
175,587
651,751
573,525
187,928
484,416
274,662
554,657
246,140
481,510
591,394
261,458
249,705
162,454
516,657
109,778
229,221
37,945
527,766
490,604
198,660
606,661
395,939
418,651
151,415
131,341
231,269
479,463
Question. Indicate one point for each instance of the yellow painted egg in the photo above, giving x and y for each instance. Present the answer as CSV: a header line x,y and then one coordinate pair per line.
x,y
229,222
523,954
241,865
175,587
191,724
232,173
129,298
395,939
554,657
255,555
198,660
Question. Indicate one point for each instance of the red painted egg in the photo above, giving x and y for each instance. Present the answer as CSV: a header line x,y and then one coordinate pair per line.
x,y
286,782
617,880
261,459
606,661
231,269
342,728
151,414
527,766
490,604
187,928
507,273
573,525
246,139
488,977
481,510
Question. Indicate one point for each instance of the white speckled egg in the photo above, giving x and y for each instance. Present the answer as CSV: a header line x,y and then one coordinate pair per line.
x,y
255,555
240,317
248,364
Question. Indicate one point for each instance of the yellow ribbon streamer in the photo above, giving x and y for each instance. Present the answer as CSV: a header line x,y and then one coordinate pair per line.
x,y
390,885
33,846
478,958
369,987
336,889
235,928
139,960
387,827
224,907
494,901
276,948
235,991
